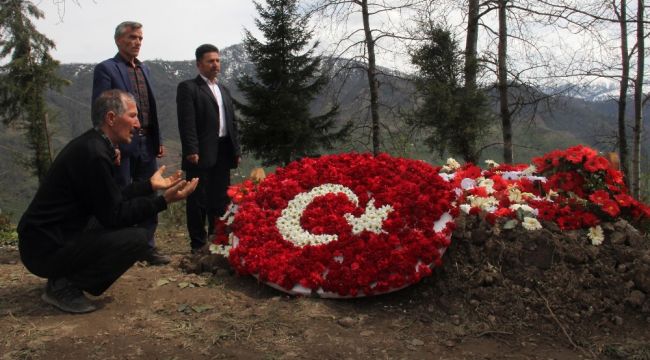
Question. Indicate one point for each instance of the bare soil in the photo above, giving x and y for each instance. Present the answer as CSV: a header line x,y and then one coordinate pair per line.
x,y
500,295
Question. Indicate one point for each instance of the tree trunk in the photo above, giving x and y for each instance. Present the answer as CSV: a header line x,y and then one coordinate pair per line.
x,y
506,123
471,70
622,97
372,78
38,138
638,104
471,43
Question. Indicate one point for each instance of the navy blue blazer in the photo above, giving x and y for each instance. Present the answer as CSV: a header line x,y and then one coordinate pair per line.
x,y
112,74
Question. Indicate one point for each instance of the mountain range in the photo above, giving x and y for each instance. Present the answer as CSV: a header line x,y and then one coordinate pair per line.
x,y
566,121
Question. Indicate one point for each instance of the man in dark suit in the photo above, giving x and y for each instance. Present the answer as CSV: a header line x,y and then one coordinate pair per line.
x,y
209,137
55,238
137,160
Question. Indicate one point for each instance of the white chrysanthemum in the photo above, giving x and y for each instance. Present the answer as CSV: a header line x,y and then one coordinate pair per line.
x,y
515,195
527,195
491,163
465,208
596,235
551,194
489,204
529,170
525,208
451,165
531,224
223,250
488,184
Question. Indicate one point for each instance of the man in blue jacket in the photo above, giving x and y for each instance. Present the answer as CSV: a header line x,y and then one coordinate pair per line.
x,y
137,160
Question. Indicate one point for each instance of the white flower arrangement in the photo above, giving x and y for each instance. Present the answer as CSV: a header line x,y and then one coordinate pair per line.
x,y
288,223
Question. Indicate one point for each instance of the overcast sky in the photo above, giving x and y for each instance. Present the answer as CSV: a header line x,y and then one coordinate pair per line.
x,y
172,29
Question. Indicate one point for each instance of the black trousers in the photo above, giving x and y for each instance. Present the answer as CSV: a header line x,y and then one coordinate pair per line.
x,y
91,260
208,202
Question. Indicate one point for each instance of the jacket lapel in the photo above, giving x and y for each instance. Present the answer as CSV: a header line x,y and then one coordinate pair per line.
x,y
204,87
121,69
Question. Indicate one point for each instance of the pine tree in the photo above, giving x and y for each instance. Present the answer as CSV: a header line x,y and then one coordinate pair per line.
x,y
25,79
456,116
277,125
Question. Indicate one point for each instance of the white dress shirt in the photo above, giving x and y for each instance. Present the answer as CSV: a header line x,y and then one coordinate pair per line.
x,y
217,95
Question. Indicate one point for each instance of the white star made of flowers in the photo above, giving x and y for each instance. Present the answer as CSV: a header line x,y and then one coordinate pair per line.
x,y
371,220
289,226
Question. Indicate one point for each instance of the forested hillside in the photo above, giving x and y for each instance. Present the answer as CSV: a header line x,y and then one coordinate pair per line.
x,y
559,123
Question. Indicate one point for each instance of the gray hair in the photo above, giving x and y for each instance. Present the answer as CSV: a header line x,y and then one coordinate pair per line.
x,y
121,28
110,100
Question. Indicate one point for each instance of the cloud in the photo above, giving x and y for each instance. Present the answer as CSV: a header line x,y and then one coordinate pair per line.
x,y
83,33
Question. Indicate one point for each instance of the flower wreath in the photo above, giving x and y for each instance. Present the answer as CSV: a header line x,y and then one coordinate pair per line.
x,y
576,188
343,225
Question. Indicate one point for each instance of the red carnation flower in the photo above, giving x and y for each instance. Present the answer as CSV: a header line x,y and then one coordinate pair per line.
x,y
599,197
611,208
624,200
596,163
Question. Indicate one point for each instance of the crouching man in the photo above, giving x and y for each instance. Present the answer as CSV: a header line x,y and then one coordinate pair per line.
x,y
55,239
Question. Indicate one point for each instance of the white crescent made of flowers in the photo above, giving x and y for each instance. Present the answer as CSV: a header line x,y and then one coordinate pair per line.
x,y
288,223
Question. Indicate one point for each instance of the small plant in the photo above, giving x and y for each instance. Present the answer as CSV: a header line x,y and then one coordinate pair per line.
x,y
8,234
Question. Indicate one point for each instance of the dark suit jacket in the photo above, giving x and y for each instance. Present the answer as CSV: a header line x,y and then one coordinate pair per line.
x,y
79,185
112,74
198,122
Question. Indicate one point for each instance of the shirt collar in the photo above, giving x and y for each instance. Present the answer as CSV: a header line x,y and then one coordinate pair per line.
x,y
136,61
207,81
110,143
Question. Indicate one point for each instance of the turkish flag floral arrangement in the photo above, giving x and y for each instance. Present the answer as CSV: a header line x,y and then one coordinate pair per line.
x,y
342,225
354,225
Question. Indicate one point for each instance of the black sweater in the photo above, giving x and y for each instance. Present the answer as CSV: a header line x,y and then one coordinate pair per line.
x,y
79,185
